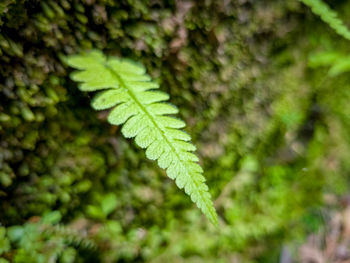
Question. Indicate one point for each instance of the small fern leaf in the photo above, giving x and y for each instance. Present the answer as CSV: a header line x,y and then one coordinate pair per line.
x,y
144,113
329,16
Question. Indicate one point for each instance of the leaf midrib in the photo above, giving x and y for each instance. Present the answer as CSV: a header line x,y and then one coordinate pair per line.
x,y
149,115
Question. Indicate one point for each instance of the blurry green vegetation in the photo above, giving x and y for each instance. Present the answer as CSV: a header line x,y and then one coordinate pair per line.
x,y
329,16
272,133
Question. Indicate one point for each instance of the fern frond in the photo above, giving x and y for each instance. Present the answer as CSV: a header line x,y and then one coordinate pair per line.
x,y
329,16
70,236
144,115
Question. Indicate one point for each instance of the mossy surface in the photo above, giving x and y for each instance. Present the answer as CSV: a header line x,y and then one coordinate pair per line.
x,y
271,134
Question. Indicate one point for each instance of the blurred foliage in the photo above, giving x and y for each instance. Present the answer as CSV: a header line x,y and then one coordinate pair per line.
x,y
42,240
329,16
272,134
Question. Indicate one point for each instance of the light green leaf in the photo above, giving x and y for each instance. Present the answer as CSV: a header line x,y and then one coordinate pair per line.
x,y
109,98
109,203
131,94
122,112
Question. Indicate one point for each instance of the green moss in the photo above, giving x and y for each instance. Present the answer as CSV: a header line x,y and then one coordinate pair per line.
x,y
271,137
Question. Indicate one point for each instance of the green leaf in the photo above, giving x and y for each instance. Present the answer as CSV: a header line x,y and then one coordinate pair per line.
x,y
329,16
4,242
15,233
53,217
338,62
131,94
95,212
109,203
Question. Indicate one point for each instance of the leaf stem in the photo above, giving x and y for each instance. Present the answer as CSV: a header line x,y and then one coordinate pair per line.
x,y
150,116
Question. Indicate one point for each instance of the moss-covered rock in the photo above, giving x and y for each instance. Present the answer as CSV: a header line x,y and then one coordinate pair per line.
x,y
269,137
